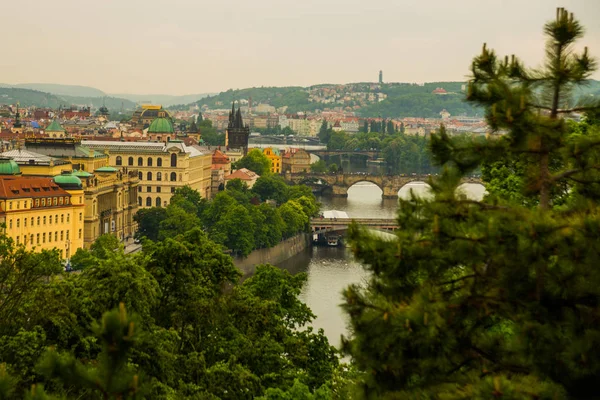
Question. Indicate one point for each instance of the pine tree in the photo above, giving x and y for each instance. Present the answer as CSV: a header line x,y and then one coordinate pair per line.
x,y
366,126
390,127
480,300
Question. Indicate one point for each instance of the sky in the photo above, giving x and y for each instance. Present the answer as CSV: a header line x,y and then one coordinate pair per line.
x,y
197,46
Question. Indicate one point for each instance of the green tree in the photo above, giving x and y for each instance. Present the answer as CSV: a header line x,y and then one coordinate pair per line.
x,y
255,161
324,132
318,167
294,217
271,187
492,299
178,221
148,220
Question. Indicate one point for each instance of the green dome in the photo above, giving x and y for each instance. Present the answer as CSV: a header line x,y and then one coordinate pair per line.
x,y
106,169
55,127
81,174
67,180
161,125
9,167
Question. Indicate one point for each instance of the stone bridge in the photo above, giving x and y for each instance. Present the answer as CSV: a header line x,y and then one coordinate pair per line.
x,y
340,183
324,225
324,154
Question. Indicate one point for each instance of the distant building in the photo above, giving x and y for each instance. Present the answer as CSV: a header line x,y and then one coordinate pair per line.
x,y
444,114
439,91
275,157
245,175
237,134
380,76
295,160
143,117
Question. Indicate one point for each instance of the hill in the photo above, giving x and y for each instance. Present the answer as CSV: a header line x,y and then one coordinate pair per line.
x,y
67,90
389,100
29,98
164,99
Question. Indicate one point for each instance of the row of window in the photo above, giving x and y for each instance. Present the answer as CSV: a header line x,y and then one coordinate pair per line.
x,y
159,176
41,237
42,220
149,161
158,189
157,202
50,201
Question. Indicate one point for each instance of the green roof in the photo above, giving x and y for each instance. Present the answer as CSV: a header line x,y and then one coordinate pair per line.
x,y
9,167
161,125
81,174
54,127
106,169
67,180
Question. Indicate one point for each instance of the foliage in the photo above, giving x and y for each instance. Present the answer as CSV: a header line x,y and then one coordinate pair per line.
x,y
255,161
209,134
148,220
492,299
318,167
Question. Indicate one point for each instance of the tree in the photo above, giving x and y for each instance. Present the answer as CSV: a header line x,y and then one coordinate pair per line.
x,y
237,184
324,132
178,221
271,187
235,230
255,161
492,299
294,217
390,127
148,220
318,167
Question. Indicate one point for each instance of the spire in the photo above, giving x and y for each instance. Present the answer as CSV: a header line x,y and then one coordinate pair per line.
x,y
17,123
232,115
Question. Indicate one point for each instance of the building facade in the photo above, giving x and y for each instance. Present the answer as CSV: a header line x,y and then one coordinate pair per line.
x,y
161,167
41,212
295,160
237,134
275,157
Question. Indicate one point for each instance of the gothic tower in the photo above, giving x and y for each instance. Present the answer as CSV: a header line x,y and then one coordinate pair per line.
x,y
237,134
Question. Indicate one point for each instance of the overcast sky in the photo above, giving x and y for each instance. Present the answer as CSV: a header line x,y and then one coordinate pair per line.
x,y
195,46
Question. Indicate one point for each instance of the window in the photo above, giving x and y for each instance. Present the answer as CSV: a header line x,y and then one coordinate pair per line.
x,y
68,218
130,161
18,240
66,200
149,176
10,224
44,220
44,237
62,235
56,236
159,162
25,222
140,176
172,189
10,205
49,237
149,161
61,200
38,221
119,160
158,189
173,176
18,204
67,235
80,216
32,223
159,175
62,218
140,161
173,160
148,202
37,238
43,202
31,239
80,234
149,189
140,201
18,222
158,202
56,219
37,202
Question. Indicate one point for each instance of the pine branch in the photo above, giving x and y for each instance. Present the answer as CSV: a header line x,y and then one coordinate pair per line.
x,y
568,173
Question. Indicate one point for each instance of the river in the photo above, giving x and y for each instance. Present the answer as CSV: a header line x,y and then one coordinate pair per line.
x,y
331,269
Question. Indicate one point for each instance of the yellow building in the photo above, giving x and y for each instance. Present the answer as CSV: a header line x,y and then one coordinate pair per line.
x,y
54,130
295,160
110,195
82,158
275,157
161,167
41,213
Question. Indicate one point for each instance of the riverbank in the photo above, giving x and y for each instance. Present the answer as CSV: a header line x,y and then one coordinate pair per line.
x,y
273,255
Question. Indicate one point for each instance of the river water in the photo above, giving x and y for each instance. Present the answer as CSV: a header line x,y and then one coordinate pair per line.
x,y
331,269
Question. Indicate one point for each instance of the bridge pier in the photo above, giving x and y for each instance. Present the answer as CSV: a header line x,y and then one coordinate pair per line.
x,y
339,191
390,192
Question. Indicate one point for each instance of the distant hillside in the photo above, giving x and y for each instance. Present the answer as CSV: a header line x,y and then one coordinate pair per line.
x,y
66,90
29,98
398,99
112,103
164,99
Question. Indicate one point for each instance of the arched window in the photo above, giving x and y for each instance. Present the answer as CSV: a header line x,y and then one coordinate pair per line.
x,y
140,201
173,160
159,175
148,202
149,176
159,162
149,161
140,175
173,176
130,161
158,202
140,161
119,160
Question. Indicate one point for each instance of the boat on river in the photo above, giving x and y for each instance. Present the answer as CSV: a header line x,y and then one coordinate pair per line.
x,y
333,240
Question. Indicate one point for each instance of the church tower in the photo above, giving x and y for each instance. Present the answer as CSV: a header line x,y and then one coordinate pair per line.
x,y
17,125
237,134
